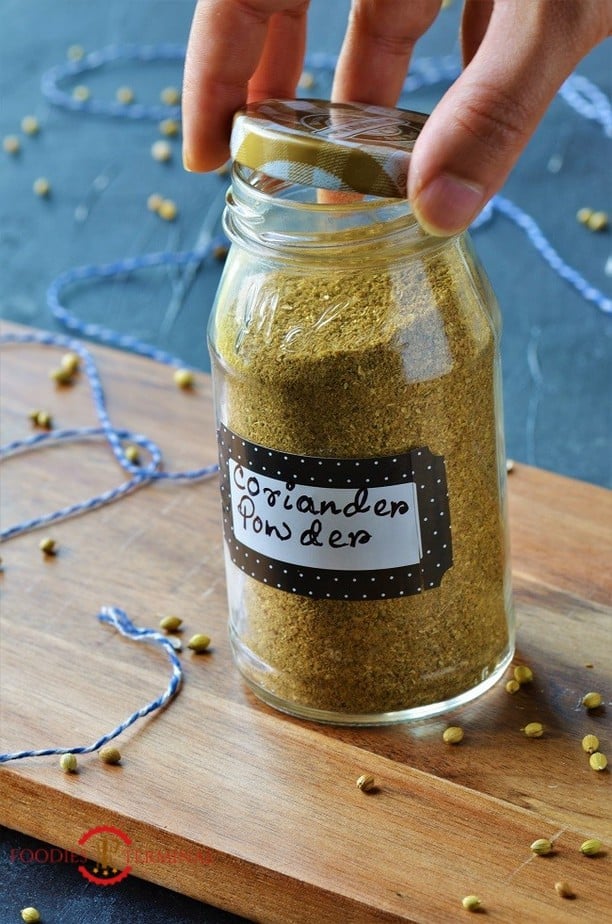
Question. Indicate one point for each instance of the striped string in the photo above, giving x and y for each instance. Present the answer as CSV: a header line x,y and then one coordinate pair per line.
x,y
113,616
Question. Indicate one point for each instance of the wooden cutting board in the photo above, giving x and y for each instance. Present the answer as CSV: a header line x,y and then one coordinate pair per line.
x,y
263,807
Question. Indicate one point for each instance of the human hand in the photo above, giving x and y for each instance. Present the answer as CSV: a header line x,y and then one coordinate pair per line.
x,y
516,56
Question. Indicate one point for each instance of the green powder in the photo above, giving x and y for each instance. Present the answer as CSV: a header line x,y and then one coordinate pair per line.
x,y
369,360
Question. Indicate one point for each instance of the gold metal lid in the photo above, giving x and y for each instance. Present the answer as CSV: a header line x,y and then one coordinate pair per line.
x,y
351,147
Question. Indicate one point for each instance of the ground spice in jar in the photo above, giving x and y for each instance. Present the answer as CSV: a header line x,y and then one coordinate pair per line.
x,y
377,355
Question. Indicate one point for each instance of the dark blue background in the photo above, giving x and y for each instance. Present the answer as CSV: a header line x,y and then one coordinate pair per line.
x,y
556,346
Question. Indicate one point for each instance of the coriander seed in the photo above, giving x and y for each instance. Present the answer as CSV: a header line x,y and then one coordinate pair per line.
x,y
41,186
169,127
11,144
61,376
43,420
70,362
590,743
592,700
453,734
366,782
109,754
471,902
542,847
591,847
199,642
161,151
509,465
75,52
512,686
523,674
154,202
30,915
132,454
170,623
583,215
598,761
30,125
598,221
167,210
184,378
48,546
68,763
81,93
170,96
564,890
125,95
533,730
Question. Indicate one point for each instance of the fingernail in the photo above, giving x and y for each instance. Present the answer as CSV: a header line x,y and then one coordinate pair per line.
x,y
447,205
186,163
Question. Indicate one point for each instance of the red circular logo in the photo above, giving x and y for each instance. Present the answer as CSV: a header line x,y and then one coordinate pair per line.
x,y
109,845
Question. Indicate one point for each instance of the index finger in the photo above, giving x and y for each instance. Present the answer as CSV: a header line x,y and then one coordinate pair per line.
x,y
230,42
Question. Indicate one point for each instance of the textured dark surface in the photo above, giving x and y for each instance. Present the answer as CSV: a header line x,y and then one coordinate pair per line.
x,y
556,345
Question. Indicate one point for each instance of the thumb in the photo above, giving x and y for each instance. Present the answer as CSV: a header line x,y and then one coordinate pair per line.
x,y
477,131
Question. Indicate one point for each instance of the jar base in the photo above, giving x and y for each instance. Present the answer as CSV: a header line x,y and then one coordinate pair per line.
x,y
415,713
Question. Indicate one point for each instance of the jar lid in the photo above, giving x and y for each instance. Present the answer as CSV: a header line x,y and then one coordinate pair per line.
x,y
351,147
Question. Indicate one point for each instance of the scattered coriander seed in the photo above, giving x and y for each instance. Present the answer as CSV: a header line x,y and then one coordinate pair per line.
x,y
154,202
109,754
512,686
70,362
41,186
61,376
591,847
169,127
306,81
471,902
43,420
590,744
366,782
598,221
48,546
453,734
592,700
170,96
30,915
564,889
509,465
220,252
523,674
75,52
598,761
132,454
583,215
533,730
198,642
30,125
184,378
161,151
68,763
170,623
81,93
11,144
167,210
125,95
542,847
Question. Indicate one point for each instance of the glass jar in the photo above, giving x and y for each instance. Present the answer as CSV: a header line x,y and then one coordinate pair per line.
x,y
357,388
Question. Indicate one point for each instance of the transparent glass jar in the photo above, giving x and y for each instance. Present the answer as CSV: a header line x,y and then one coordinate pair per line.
x,y
357,389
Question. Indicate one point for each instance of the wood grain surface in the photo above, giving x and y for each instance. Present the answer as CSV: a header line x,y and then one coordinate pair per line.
x,y
272,801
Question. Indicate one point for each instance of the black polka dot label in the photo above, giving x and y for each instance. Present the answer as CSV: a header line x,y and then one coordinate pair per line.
x,y
340,529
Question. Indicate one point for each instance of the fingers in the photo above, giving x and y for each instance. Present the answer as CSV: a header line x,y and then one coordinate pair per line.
x,y
375,55
230,42
476,133
474,24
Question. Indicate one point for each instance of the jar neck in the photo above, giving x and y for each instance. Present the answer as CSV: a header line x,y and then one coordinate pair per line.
x,y
270,215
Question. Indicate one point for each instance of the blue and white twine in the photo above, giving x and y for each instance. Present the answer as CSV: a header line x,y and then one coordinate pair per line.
x,y
116,617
